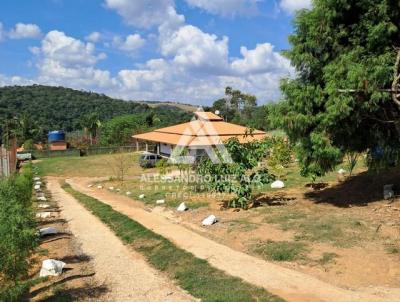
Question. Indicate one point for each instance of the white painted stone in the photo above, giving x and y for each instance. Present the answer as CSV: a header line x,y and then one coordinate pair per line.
x,y
160,201
141,196
43,206
37,187
278,184
182,207
36,178
342,171
43,215
38,183
89,186
128,193
388,192
99,187
47,231
210,220
51,267
41,198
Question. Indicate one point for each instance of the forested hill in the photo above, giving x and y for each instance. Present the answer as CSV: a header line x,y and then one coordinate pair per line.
x,y
63,108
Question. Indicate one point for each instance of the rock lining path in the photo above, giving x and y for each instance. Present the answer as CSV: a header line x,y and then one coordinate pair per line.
x,y
286,283
125,273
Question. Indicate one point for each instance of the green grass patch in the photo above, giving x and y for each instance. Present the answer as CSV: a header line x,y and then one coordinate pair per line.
x,y
392,249
88,166
281,250
242,225
327,258
339,230
195,275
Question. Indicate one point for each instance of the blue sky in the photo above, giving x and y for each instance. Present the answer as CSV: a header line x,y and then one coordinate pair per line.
x,y
182,50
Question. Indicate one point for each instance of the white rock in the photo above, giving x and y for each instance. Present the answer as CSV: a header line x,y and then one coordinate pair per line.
x,y
47,231
141,196
128,193
43,215
43,206
388,191
160,201
111,188
37,187
38,183
278,184
99,187
89,186
51,267
41,198
36,178
210,220
341,171
182,207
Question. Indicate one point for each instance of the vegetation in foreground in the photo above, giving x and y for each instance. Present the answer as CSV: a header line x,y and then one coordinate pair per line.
x,y
192,274
18,238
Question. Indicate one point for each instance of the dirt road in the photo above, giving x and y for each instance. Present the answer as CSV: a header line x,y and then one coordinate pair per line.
x,y
126,274
289,284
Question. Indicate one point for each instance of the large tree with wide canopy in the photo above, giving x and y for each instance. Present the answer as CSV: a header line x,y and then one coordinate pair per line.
x,y
344,97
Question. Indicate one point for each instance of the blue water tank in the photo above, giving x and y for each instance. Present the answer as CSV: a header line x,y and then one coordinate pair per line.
x,y
56,136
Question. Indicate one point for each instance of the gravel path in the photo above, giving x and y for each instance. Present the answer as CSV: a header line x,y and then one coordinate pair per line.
x,y
289,284
123,271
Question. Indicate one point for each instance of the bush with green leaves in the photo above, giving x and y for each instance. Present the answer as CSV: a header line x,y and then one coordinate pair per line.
x,y
280,155
18,236
240,176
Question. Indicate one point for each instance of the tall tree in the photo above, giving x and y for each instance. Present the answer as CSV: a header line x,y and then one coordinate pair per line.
x,y
345,55
234,104
91,122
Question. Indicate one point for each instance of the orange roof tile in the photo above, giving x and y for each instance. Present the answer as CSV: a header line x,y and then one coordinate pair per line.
x,y
201,132
208,116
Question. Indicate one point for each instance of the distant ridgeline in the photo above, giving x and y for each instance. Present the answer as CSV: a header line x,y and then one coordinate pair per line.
x,y
54,108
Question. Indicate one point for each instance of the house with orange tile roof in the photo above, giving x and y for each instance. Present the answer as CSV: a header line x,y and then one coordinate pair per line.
x,y
204,130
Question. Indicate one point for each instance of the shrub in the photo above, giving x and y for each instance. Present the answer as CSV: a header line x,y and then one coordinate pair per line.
x,y
18,236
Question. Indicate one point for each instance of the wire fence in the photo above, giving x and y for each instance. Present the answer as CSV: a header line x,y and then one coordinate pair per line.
x,y
38,154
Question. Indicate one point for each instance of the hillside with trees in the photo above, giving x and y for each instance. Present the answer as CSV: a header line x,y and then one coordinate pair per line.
x,y
38,109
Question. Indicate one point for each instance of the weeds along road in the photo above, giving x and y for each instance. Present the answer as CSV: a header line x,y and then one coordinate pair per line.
x,y
125,272
288,284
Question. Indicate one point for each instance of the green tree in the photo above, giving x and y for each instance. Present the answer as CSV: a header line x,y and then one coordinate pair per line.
x,y
91,123
344,53
236,105
241,175
119,130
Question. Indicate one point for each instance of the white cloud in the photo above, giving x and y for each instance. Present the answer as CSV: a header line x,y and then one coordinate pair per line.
x,y
25,31
292,6
14,80
260,60
130,43
68,61
192,48
94,37
69,51
143,13
259,72
226,7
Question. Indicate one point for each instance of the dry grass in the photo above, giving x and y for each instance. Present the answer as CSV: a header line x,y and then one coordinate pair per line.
x,y
88,166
